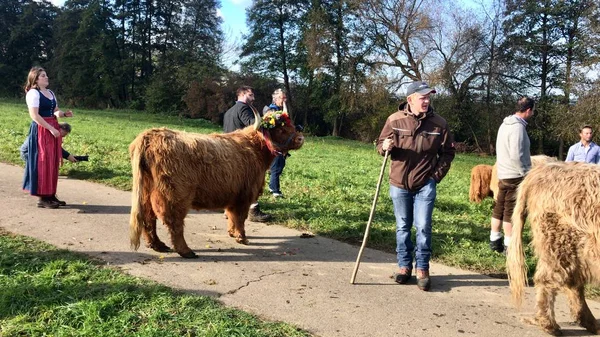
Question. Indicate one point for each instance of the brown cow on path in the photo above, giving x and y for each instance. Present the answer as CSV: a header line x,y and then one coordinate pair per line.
x,y
562,202
175,171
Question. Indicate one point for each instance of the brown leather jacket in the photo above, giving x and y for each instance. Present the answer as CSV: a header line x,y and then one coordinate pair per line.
x,y
423,147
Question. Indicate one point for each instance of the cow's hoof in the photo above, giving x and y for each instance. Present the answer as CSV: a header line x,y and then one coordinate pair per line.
x,y
161,247
189,255
230,234
591,327
553,332
243,241
552,329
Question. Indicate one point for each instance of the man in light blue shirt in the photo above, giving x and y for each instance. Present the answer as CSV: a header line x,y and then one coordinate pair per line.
x,y
585,151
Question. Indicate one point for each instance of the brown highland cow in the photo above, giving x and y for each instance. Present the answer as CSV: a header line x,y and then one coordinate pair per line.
x,y
562,203
484,179
175,171
481,178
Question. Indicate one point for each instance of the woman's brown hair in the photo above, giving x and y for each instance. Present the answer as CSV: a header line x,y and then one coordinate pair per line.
x,y
32,78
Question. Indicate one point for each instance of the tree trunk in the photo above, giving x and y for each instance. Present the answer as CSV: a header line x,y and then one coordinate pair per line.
x,y
335,131
284,70
307,111
561,148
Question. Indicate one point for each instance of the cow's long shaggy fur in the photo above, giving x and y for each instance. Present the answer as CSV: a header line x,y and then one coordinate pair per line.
x,y
175,171
484,179
561,201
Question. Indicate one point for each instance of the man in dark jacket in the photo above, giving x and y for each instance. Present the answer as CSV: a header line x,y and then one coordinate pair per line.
x,y
238,117
421,148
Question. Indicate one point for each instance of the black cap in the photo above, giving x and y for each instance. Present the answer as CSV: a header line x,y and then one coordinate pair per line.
x,y
420,87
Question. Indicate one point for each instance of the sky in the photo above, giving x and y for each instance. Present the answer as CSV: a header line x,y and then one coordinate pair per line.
x,y
233,13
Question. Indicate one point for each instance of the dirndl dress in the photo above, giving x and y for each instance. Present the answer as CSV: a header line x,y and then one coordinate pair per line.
x,y
45,154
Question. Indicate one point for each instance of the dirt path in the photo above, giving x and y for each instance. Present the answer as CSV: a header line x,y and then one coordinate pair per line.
x,y
279,276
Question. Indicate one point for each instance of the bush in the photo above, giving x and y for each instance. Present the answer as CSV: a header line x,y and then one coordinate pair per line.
x,y
205,100
164,94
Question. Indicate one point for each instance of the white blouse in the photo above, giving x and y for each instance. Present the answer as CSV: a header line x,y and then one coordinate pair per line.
x,y
33,98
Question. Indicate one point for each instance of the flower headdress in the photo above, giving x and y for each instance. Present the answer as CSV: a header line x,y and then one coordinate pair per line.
x,y
273,119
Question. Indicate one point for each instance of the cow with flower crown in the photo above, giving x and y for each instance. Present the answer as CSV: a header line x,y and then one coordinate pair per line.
x,y
175,171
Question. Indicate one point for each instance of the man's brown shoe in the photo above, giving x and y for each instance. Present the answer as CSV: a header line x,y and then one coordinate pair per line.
x,y
402,276
423,281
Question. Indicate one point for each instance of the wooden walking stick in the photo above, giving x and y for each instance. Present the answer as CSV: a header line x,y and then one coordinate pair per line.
x,y
364,243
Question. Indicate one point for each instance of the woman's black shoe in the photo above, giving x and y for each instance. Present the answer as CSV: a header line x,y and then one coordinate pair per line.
x,y
47,203
60,202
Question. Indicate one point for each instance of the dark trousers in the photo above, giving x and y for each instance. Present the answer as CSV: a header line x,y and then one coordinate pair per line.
x,y
507,197
276,169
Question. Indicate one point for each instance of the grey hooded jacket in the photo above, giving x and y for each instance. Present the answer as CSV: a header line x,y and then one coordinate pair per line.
x,y
513,157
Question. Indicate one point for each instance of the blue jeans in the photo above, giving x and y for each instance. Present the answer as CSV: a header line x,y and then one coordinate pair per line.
x,y
276,169
413,207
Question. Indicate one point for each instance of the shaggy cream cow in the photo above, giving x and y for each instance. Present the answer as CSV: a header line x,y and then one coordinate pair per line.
x,y
562,203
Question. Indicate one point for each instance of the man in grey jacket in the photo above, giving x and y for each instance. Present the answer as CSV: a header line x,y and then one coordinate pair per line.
x,y
513,160
238,117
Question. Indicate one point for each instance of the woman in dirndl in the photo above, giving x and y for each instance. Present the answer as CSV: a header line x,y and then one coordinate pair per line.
x,y
44,156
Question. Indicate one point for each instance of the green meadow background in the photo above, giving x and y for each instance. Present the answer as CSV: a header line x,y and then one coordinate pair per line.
x,y
329,186
329,183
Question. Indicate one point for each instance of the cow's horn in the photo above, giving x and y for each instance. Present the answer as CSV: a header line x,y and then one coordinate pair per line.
x,y
256,118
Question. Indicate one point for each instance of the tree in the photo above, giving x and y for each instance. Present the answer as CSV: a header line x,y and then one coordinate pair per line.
x,y
269,48
334,51
493,38
188,47
27,40
401,31
457,42
532,35
579,49
86,59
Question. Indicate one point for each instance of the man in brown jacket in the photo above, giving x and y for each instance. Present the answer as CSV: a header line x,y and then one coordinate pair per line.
x,y
421,148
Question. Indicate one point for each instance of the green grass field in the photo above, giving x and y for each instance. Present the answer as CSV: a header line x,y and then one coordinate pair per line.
x,y
329,184
51,292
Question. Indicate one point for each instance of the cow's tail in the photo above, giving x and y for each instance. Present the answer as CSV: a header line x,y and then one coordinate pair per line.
x,y
136,220
515,259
